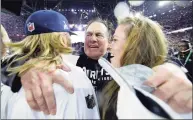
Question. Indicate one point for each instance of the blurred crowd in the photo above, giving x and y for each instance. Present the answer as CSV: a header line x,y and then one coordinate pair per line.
x,y
14,26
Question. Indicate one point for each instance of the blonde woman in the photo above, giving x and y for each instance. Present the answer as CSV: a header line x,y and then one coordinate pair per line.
x,y
45,47
139,40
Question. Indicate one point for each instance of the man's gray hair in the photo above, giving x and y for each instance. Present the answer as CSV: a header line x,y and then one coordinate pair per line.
x,y
107,23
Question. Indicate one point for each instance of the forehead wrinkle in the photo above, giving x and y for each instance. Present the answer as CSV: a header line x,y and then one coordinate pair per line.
x,y
97,27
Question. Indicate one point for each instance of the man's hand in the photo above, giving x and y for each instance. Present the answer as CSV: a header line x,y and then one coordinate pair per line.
x,y
39,91
173,87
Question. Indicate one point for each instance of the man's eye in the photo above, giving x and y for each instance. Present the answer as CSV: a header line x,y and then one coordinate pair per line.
x,y
114,40
99,35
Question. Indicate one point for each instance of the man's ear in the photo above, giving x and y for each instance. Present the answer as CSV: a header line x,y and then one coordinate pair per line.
x,y
109,47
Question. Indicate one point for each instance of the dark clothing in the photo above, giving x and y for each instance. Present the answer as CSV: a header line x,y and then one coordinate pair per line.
x,y
98,76
10,80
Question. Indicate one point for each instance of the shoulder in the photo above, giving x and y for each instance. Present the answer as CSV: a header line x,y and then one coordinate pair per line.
x,y
174,60
78,77
71,58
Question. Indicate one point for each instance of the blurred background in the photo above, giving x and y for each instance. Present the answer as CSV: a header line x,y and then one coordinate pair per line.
x,y
175,16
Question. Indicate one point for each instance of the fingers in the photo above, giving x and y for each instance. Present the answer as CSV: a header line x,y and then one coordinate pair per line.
x,y
28,81
68,86
63,67
182,101
169,88
61,78
29,78
37,92
31,84
172,87
48,93
189,104
31,101
160,76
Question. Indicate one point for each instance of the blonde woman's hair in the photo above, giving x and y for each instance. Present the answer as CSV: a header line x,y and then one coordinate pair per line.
x,y
145,44
41,50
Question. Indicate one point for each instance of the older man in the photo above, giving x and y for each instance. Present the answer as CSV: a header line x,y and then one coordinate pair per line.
x,y
97,37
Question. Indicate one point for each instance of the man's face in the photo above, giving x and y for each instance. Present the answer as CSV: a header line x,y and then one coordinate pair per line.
x,y
182,46
96,41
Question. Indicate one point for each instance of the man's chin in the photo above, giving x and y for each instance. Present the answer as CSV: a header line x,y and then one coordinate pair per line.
x,y
94,56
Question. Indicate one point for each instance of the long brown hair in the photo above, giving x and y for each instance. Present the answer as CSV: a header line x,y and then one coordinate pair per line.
x,y
146,44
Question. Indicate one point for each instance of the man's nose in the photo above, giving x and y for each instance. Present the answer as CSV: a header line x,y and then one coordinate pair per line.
x,y
94,38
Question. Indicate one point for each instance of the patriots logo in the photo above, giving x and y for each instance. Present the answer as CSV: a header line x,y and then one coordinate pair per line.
x,y
30,27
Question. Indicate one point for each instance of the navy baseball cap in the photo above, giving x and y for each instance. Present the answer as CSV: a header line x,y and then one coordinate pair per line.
x,y
46,21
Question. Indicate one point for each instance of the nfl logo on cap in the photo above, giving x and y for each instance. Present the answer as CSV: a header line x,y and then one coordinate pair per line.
x,y
46,21
30,27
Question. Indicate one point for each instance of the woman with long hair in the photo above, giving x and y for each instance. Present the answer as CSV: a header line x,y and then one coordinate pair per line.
x,y
137,40
45,47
